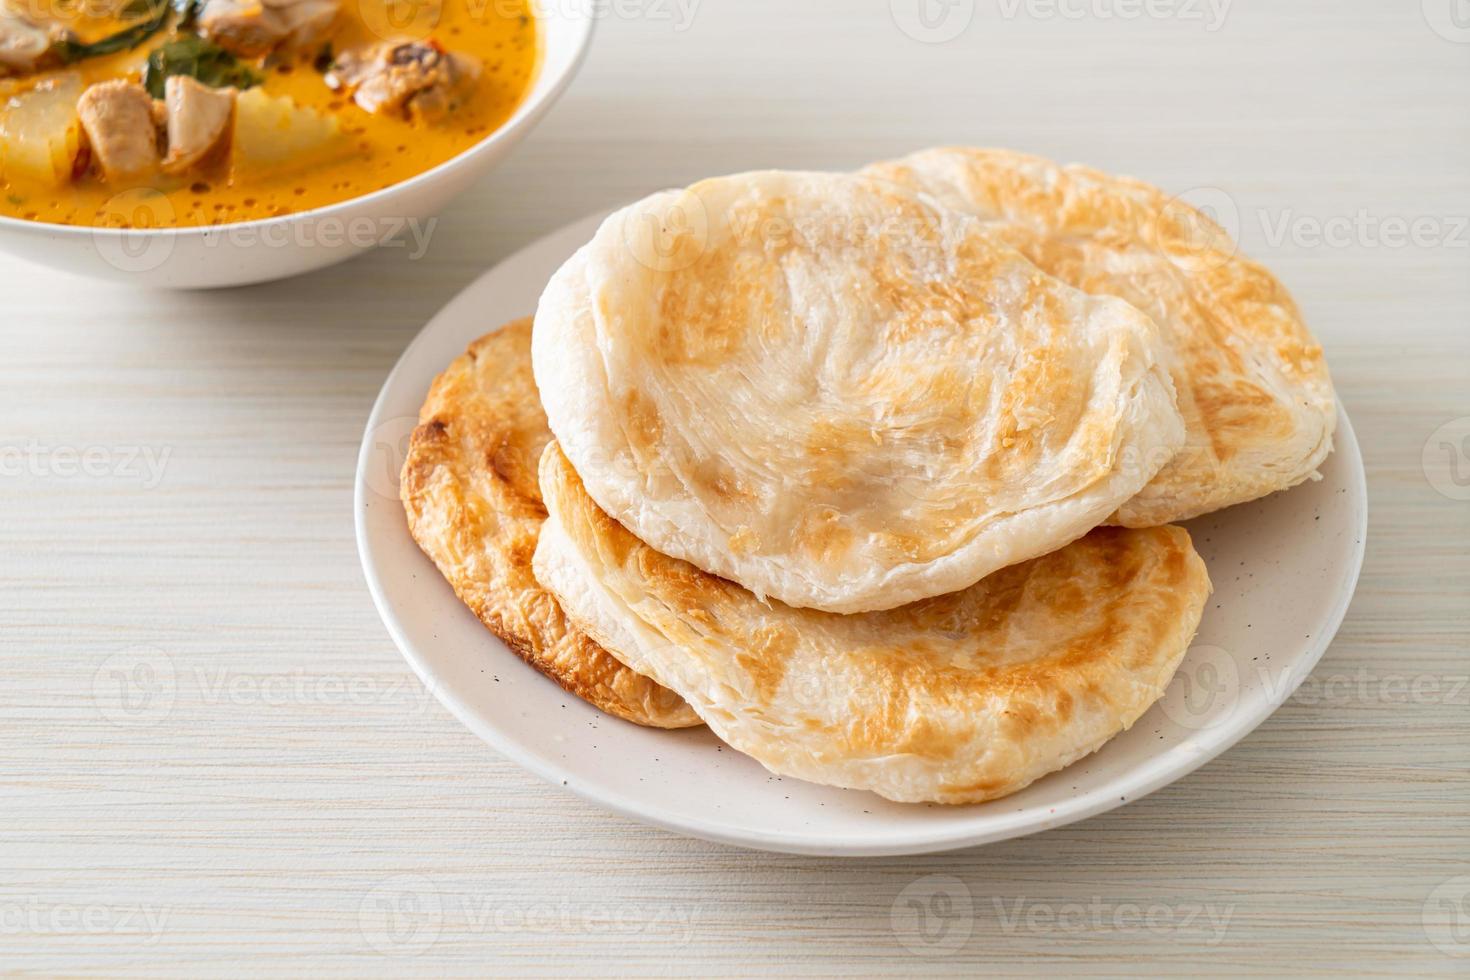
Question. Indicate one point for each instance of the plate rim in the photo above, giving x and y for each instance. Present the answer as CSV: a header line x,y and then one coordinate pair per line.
x,y
1148,778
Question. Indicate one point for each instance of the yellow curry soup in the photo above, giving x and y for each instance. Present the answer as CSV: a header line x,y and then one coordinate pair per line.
x,y
294,142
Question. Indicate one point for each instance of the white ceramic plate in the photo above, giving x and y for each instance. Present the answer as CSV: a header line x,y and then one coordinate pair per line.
x,y
1284,570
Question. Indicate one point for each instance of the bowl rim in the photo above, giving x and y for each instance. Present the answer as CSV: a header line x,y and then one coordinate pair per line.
x,y
530,111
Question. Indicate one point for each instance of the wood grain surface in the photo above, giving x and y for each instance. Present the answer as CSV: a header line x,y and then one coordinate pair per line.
x,y
214,761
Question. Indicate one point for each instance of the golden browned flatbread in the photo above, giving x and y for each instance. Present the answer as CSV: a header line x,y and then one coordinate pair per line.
x,y
470,490
833,392
956,699
1258,405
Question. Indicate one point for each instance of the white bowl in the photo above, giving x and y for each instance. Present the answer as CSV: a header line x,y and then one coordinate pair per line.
x,y
275,248
1284,569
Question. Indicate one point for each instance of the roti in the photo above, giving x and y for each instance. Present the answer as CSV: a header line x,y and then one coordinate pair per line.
x,y
1252,384
958,699
840,395
470,492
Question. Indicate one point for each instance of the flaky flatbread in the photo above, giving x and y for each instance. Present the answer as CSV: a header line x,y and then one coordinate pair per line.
x,y
958,699
1253,387
470,491
840,395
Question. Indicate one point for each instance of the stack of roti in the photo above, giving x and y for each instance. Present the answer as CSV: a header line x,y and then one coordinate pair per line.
x,y
872,473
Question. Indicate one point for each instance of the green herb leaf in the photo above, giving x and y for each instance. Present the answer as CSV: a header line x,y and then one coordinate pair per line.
x,y
156,12
199,59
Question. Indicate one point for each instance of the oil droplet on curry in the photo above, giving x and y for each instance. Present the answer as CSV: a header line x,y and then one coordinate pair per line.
x,y
178,113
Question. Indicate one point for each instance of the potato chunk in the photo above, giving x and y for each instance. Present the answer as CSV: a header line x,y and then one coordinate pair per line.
x,y
40,132
273,135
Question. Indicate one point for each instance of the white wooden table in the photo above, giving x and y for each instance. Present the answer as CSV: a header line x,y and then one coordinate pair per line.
x,y
212,757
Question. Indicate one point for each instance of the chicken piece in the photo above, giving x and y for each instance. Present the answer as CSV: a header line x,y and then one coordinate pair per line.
x,y
252,28
122,128
416,78
197,117
25,45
